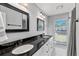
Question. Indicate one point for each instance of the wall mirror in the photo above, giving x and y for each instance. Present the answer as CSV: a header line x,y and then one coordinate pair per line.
x,y
40,25
16,19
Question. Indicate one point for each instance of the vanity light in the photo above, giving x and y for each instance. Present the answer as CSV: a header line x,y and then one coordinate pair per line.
x,y
41,15
23,4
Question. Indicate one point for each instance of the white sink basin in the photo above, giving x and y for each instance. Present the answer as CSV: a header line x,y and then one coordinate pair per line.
x,y
22,49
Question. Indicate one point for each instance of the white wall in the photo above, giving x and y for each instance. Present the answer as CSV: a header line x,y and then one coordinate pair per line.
x,y
77,29
77,11
51,22
50,25
33,12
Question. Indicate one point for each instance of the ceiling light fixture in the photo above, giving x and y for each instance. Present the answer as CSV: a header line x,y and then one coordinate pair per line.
x,y
59,7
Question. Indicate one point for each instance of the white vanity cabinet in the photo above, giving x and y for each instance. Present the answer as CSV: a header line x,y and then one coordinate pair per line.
x,y
46,49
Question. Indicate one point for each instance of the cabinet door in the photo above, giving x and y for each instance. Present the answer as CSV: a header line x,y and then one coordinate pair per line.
x,y
45,50
50,46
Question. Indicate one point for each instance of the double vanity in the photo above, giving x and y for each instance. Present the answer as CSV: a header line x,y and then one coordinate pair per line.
x,y
33,46
21,40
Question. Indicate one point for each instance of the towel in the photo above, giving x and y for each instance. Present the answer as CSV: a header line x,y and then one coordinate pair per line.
x,y
3,35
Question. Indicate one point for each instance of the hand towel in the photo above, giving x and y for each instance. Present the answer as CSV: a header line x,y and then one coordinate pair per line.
x,y
3,35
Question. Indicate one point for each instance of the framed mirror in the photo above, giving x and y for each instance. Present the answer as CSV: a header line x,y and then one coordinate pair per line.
x,y
16,19
40,25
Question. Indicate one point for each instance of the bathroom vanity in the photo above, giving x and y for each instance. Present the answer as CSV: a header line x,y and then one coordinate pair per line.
x,y
41,46
24,42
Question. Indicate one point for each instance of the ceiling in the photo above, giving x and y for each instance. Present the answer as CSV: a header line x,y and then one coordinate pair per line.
x,y
55,8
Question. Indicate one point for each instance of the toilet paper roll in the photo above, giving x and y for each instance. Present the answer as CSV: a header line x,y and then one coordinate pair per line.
x,y
3,35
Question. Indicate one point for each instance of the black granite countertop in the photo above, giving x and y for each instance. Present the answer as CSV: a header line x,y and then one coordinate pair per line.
x,y
37,41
